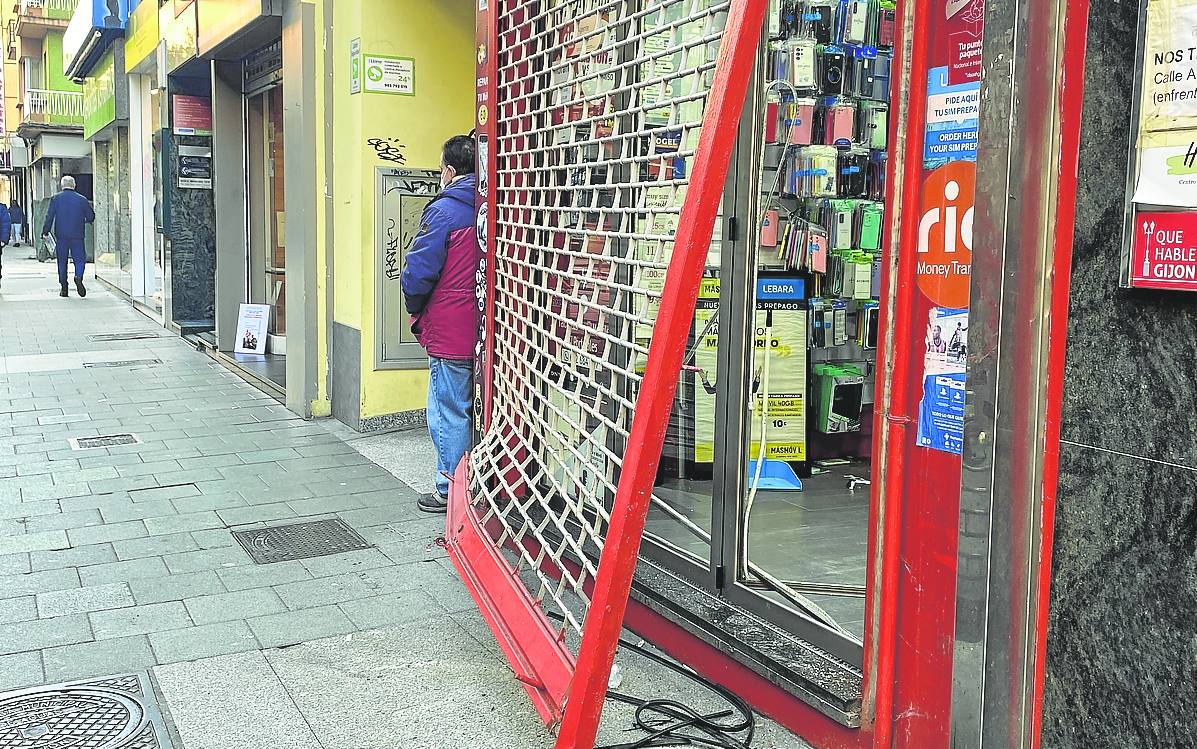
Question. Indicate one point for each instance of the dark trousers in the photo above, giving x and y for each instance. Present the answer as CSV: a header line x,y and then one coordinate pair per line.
x,y
72,248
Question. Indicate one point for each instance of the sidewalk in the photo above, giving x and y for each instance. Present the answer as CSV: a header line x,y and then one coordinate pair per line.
x,y
122,559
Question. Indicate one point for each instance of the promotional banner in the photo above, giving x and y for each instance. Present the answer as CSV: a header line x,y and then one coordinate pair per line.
x,y
941,411
1164,251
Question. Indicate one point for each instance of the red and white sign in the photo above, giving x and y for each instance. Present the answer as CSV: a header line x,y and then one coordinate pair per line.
x,y
192,115
1164,253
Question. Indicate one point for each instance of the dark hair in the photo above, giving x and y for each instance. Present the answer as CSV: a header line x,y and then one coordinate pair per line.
x,y
459,154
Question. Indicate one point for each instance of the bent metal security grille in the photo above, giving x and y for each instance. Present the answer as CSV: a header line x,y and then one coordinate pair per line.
x,y
613,125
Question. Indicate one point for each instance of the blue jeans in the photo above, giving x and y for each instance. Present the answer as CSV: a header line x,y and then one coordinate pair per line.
x,y
450,419
72,248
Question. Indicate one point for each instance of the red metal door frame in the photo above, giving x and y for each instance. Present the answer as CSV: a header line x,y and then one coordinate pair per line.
x,y
907,654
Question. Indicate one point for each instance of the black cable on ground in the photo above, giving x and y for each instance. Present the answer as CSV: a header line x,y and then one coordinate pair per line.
x,y
670,723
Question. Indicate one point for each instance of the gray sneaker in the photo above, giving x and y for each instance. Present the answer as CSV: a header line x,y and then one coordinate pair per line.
x,y
434,503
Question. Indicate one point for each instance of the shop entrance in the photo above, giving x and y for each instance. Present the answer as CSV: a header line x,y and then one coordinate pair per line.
x,y
763,493
267,224
832,268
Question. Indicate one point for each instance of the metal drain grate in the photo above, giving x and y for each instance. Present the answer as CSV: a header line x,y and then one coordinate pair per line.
x,y
121,363
113,713
108,440
283,543
131,335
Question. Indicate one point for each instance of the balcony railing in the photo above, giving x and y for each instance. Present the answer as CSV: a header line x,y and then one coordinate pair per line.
x,y
47,107
60,10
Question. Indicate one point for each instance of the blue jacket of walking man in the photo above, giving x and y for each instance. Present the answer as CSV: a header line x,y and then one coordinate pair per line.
x,y
439,289
67,218
5,233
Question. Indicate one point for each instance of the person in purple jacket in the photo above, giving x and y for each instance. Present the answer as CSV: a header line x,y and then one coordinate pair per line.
x,y
439,292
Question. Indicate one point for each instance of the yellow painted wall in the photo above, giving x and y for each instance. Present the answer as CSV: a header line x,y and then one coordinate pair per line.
x,y
439,34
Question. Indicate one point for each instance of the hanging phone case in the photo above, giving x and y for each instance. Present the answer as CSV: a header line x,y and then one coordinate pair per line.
x,y
887,20
821,167
856,21
839,123
816,249
769,229
802,121
831,71
804,72
843,214
821,21
874,125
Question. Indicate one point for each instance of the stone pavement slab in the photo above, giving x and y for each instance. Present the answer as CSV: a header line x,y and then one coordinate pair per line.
x,y
211,706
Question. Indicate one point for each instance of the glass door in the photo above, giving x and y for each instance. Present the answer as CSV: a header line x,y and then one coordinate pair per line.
x,y
266,172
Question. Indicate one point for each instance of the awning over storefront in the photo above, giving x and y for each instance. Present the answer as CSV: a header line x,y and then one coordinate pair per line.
x,y
231,29
94,26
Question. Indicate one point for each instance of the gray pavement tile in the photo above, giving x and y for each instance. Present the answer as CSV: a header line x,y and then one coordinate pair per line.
x,y
62,521
204,641
263,575
176,587
17,510
410,541
82,475
154,546
124,484
126,571
245,487
206,559
21,670
17,609
270,455
326,448
264,472
78,556
84,600
171,486
292,627
187,522
209,502
324,505
408,679
242,604
44,633
196,691
327,590
146,469
112,531
55,491
391,609
139,620
214,538
209,462
99,658
256,513
349,561
127,459
367,517
28,542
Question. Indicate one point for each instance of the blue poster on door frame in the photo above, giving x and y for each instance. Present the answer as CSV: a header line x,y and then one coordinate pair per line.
x,y
941,412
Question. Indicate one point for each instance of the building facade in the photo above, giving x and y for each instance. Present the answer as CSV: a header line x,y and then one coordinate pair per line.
x,y
46,129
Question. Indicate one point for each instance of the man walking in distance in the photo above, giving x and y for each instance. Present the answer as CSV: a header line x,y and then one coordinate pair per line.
x,y
5,231
68,217
439,292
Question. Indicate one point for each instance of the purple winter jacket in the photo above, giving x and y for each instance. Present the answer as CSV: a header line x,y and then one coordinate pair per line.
x,y
439,275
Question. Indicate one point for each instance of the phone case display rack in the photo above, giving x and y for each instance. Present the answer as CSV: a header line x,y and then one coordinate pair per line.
x,y
822,194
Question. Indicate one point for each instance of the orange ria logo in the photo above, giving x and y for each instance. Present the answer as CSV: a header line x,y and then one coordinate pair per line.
x,y
945,246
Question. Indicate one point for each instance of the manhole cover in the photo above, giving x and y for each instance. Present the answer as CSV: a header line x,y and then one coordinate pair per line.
x,y
281,543
112,713
110,440
121,363
132,335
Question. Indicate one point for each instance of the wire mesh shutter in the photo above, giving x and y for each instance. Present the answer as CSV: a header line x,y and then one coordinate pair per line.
x,y
598,110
